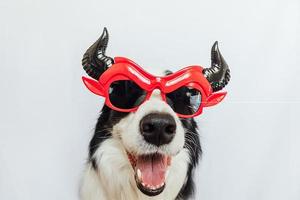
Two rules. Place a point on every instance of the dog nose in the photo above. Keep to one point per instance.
(158, 128)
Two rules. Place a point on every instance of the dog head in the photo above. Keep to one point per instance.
(153, 134)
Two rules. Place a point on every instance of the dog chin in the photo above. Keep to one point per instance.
(150, 171)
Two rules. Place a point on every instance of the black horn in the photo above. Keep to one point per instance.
(218, 75)
(94, 61)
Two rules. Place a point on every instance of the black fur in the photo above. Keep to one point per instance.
(192, 143)
(108, 118)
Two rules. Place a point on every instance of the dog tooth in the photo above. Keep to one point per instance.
(139, 174)
(143, 184)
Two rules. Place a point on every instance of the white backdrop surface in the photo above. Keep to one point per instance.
(251, 141)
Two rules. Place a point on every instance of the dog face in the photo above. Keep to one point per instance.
(151, 146)
(150, 138)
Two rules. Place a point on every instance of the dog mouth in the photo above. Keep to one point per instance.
(151, 172)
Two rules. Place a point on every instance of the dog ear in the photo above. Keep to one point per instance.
(93, 86)
(215, 98)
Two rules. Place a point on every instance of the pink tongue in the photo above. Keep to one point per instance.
(153, 169)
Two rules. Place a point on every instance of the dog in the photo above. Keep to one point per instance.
(150, 153)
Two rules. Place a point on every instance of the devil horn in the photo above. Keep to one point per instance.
(94, 61)
(218, 75)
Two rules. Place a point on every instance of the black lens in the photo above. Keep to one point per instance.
(126, 94)
(184, 100)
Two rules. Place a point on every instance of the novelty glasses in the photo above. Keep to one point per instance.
(126, 86)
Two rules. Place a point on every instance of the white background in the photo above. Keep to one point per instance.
(251, 141)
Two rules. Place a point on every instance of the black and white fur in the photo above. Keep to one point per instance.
(109, 174)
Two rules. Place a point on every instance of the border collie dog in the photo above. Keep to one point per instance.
(150, 153)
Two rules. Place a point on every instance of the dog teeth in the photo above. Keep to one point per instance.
(139, 174)
(157, 186)
(152, 187)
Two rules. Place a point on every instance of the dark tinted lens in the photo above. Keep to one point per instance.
(184, 100)
(126, 94)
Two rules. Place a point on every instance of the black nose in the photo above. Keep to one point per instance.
(158, 128)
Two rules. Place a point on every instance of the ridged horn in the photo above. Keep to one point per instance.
(94, 61)
(218, 75)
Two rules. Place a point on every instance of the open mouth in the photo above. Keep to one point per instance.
(151, 172)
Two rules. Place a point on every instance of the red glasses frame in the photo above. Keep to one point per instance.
(125, 69)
